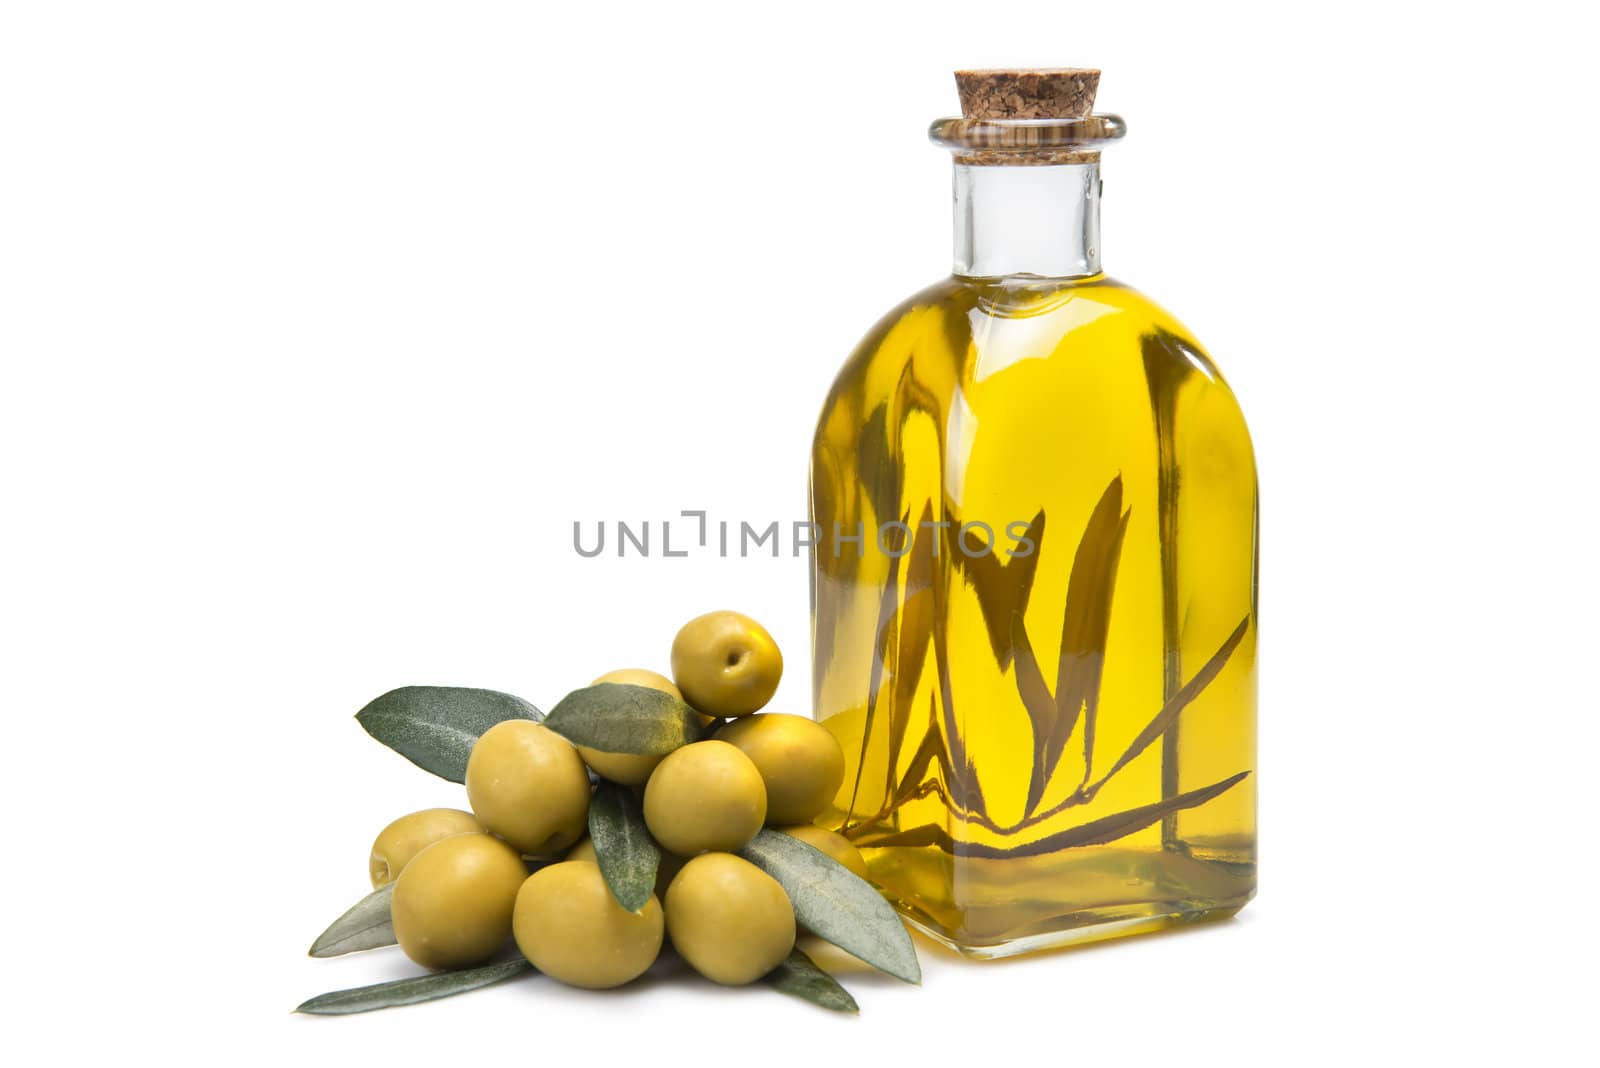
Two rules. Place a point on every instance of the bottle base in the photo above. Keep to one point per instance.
(1083, 931)
(988, 909)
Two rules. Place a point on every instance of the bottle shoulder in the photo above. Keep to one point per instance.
(1026, 317)
(1014, 342)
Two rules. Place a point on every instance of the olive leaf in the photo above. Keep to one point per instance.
(617, 717)
(365, 925)
(929, 752)
(800, 977)
(412, 990)
(1037, 701)
(1095, 832)
(1085, 622)
(1110, 828)
(1180, 700)
(627, 855)
(1086, 617)
(836, 904)
(914, 838)
(435, 727)
(956, 787)
(1002, 589)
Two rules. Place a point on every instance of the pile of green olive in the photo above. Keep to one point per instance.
(462, 886)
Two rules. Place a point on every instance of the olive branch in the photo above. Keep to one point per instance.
(909, 612)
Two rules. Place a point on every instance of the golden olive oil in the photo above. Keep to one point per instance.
(1034, 628)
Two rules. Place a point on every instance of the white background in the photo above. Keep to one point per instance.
(321, 323)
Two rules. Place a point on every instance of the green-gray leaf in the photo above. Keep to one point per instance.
(435, 727)
(627, 855)
(1179, 701)
(836, 904)
(617, 717)
(800, 977)
(364, 926)
(410, 991)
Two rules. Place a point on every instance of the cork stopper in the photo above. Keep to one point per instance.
(1058, 93)
(1063, 96)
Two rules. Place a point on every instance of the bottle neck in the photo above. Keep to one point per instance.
(1040, 221)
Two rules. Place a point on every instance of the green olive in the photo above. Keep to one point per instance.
(572, 929)
(800, 762)
(627, 768)
(409, 835)
(528, 785)
(452, 904)
(729, 919)
(726, 664)
(835, 845)
(704, 796)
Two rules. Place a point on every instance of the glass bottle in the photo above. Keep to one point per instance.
(1034, 577)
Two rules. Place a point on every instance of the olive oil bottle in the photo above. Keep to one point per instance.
(1034, 577)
